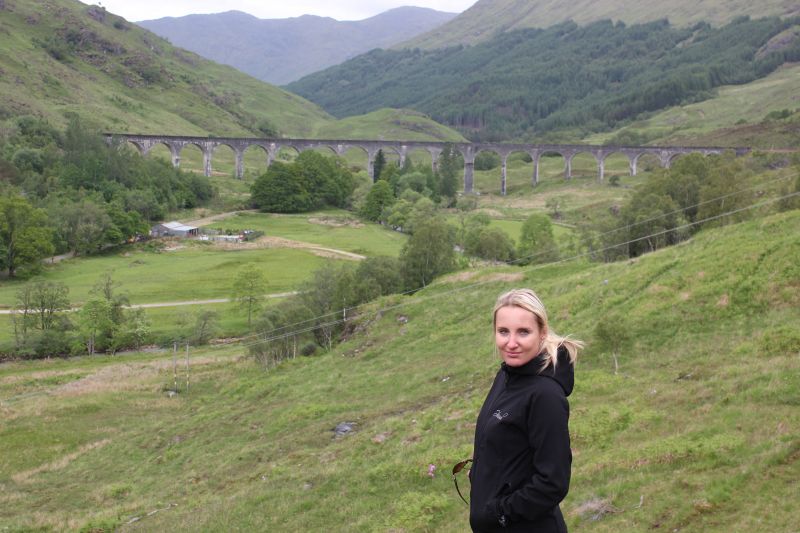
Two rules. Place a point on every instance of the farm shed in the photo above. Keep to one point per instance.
(173, 229)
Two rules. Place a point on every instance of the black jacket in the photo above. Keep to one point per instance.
(522, 457)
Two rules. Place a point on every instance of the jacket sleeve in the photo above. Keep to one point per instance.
(548, 437)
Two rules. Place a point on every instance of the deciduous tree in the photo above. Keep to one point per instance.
(96, 329)
(613, 332)
(536, 241)
(428, 253)
(25, 237)
(47, 300)
(380, 196)
(249, 287)
(206, 326)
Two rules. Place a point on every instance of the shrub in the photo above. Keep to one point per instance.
(536, 241)
(489, 243)
(487, 161)
(308, 349)
(428, 253)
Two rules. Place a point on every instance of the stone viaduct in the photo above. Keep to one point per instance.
(271, 147)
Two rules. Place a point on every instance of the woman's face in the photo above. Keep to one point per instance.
(517, 335)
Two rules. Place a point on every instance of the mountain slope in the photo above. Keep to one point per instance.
(487, 18)
(566, 78)
(283, 50)
(698, 431)
(62, 57)
(757, 114)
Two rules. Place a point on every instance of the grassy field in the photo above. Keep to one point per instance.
(385, 124)
(194, 272)
(201, 271)
(698, 431)
(333, 229)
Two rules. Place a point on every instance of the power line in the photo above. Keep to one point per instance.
(535, 267)
(585, 254)
(538, 254)
(532, 256)
(664, 215)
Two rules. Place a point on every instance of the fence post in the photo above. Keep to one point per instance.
(187, 368)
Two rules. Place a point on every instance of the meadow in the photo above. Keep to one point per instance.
(697, 431)
(193, 271)
(187, 271)
(333, 228)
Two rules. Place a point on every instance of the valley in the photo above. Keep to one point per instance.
(191, 384)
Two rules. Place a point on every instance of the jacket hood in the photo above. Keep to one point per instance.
(563, 374)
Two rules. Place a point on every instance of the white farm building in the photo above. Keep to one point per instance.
(173, 229)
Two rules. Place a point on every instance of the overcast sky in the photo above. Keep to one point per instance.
(135, 10)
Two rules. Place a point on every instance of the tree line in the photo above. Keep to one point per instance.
(412, 199)
(567, 78)
(70, 191)
(697, 192)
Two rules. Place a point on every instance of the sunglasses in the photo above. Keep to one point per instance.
(458, 467)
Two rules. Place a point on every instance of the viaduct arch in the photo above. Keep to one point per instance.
(271, 147)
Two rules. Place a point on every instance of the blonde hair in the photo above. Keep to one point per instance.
(527, 299)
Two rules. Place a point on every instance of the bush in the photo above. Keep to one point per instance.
(492, 244)
(487, 161)
(536, 241)
(310, 182)
(428, 253)
(378, 276)
(309, 348)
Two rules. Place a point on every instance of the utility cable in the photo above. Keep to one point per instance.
(663, 215)
(518, 260)
(535, 267)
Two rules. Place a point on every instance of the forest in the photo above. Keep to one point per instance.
(560, 82)
(69, 191)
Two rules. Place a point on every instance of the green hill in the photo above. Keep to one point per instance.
(698, 431)
(403, 124)
(62, 57)
(487, 18)
(738, 115)
(560, 83)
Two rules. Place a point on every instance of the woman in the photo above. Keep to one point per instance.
(522, 458)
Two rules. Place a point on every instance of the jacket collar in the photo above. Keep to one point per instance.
(563, 374)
